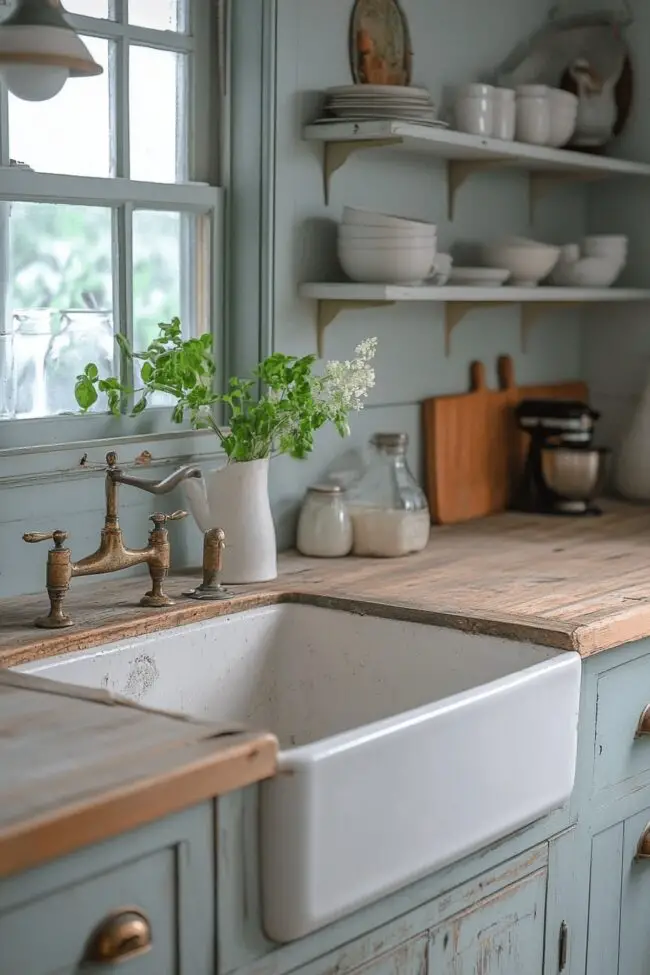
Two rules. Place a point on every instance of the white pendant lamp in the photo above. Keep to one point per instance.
(39, 51)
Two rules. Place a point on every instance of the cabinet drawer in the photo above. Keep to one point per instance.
(623, 695)
(140, 903)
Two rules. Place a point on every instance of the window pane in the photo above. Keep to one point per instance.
(158, 14)
(157, 270)
(70, 133)
(156, 89)
(171, 259)
(58, 314)
(89, 8)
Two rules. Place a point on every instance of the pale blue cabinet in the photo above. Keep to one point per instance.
(161, 877)
(409, 958)
(503, 935)
(619, 901)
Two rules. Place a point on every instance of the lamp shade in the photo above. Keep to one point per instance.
(39, 50)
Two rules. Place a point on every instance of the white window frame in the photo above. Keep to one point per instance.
(200, 196)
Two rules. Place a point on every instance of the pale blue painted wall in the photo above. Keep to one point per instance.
(454, 41)
(617, 342)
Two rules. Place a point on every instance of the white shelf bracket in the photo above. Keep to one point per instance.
(541, 184)
(460, 170)
(330, 308)
(336, 154)
(455, 312)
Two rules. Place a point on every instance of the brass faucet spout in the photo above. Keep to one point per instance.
(155, 487)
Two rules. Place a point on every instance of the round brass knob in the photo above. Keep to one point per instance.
(643, 848)
(120, 936)
(643, 727)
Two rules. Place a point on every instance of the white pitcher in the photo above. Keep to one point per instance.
(236, 498)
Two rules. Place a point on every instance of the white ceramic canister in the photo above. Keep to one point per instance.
(533, 111)
(505, 114)
(475, 110)
(324, 526)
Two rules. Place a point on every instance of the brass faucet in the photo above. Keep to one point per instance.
(112, 555)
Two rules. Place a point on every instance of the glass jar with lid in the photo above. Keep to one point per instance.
(324, 526)
(390, 514)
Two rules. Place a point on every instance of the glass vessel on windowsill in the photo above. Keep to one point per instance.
(390, 514)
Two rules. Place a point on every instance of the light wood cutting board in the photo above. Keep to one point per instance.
(466, 449)
(474, 451)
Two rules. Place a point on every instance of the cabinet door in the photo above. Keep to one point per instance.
(634, 942)
(409, 958)
(502, 935)
(619, 901)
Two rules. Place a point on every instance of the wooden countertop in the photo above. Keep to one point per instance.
(572, 583)
(79, 766)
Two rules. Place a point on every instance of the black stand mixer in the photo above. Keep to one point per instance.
(564, 472)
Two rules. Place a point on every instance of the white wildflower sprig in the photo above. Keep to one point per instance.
(345, 385)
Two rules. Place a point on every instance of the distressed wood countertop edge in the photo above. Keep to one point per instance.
(205, 770)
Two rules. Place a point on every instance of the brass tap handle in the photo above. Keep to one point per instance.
(160, 520)
(57, 536)
(214, 543)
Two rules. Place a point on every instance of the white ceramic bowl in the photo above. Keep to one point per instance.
(528, 263)
(389, 243)
(385, 265)
(353, 217)
(605, 245)
(398, 234)
(588, 272)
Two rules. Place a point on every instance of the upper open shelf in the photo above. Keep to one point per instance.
(334, 297)
(464, 154)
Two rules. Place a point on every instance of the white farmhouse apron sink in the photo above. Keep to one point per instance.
(404, 747)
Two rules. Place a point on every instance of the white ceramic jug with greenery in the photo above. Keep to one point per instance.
(293, 404)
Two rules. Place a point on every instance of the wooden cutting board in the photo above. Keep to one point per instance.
(466, 451)
(474, 451)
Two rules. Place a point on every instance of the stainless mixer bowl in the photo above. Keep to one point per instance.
(574, 474)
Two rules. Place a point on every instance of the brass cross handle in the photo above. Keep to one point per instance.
(57, 536)
(160, 520)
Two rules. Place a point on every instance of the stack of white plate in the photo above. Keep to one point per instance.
(381, 101)
(380, 248)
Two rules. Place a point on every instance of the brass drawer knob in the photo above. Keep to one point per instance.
(643, 727)
(643, 849)
(120, 937)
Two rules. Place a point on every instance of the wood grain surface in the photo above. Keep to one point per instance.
(574, 584)
(467, 451)
(79, 767)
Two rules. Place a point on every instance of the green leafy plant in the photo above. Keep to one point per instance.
(294, 404)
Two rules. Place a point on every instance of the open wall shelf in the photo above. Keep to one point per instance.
(334, 298)
(465, 155)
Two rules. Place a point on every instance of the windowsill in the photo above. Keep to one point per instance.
(62, 462)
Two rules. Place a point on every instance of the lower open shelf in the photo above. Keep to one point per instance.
(334, 298)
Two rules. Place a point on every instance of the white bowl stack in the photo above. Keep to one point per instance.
(597, 262)
(378, 248)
